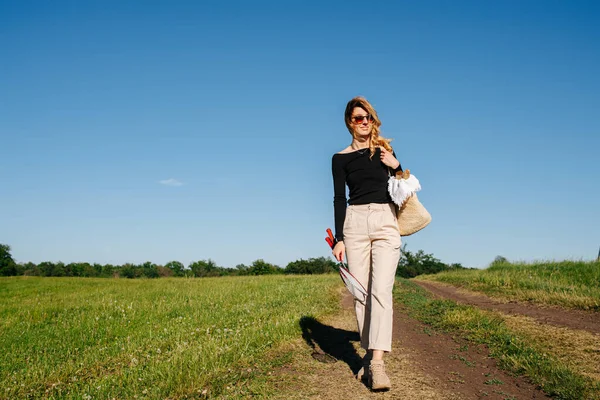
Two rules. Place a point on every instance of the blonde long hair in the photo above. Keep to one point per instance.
(376, 140)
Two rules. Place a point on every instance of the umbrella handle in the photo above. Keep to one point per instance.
(330, 234)
(329, 241)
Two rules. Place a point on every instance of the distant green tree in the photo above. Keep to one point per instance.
(71, 269)
(59, 269)
(149, 270)
(261, 267)
(319, 265)
(206, 268)
(241, 269)
(110, 271)
(8, 267)
(127, 271)
(88, 270)
(46, 268)
(164, 272)
(414, 264)
(499, 260)
(98, 269)
(20, 269)
(31, 269)
(176, 267)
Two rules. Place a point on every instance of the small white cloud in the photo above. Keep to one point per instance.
(170, 182)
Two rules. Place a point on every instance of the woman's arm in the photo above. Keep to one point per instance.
(390, 160)
(399, 167)
(339, 196)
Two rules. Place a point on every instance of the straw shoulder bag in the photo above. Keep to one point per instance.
(411, 214)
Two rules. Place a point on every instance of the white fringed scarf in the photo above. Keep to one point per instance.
(401, 189)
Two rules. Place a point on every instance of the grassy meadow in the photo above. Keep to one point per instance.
(566, 364)
(574, 284)
(173, 338)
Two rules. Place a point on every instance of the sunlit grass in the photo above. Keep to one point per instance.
(517, 347)
(176, 338)
(572, 284)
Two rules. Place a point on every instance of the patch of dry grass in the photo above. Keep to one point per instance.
(579, 350)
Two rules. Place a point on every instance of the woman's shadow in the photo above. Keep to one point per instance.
(331, 344)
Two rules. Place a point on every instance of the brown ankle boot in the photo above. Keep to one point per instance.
(378, 379)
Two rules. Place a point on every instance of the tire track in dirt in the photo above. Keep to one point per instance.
(459, 366)
(423, 365)
(574, 319)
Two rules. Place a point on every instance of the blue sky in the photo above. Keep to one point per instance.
(157, 131)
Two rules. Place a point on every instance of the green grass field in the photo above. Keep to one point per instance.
(574, 284)
(515, 349)
(163, 338)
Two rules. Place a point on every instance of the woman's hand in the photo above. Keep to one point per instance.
(388, 159)
(338, 251)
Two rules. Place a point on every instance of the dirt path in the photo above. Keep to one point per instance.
(422, 365)
(574, 319)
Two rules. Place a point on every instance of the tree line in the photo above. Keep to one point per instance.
(410, 265)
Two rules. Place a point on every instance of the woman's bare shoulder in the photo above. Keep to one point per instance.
(346, 150)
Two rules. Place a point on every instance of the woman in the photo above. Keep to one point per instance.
(367, 231)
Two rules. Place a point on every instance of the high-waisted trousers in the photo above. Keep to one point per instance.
(372, 242)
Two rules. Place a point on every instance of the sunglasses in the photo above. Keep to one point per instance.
(360, 118)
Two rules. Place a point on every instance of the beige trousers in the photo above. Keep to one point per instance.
(372, 242)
